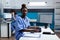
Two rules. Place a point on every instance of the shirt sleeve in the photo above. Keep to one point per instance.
(28, 22)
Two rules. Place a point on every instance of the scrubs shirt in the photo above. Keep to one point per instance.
(19, 24)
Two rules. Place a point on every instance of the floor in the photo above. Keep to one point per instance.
(58, 34)
(12, 38)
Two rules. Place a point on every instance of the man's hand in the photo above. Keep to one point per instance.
(36, 30)
(33, 27)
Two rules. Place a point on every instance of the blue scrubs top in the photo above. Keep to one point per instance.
(19, 24)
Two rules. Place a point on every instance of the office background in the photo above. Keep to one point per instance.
(52, 9)
(36, 13)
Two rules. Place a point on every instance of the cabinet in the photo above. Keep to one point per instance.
(13, 4)
(4, 29)
(57, 16)
(16, 4)
(57, 0)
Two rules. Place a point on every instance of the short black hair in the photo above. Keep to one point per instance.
(12, 10)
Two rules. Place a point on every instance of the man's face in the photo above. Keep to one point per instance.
(12, 13)
(24, 11)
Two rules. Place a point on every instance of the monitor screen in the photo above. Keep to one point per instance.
(46, 18)
(7, 15)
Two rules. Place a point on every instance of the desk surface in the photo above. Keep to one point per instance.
(43, 36)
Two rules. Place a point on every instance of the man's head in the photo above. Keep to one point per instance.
(13, 11)
(24, 10)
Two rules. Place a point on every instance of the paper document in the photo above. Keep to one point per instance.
(35, 35)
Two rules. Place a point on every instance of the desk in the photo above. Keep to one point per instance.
(43, 36)
(39, 24)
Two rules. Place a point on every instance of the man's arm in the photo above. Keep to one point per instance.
(33, 27)
(30, 30)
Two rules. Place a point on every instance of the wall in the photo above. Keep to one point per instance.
(16, 4)
(33, 15)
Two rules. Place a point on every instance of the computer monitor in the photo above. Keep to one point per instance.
(7, 15)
